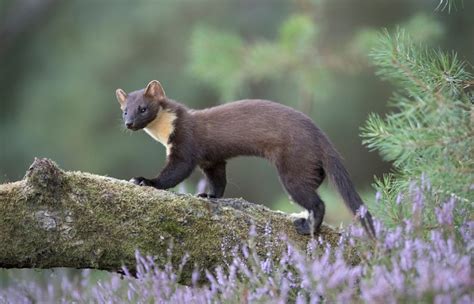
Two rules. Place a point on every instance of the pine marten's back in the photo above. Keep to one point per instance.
(253, 127)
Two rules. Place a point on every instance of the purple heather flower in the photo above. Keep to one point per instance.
(399, 198)
(356, 232)
(418, 200)
(195, 277)
(267, 265)
(393, 238)
(444, 214)
(443, 299)
(466, 231)
(253, 231)
(378, 196)
(362, 211)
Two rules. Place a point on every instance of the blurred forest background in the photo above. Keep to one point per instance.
(61, 61)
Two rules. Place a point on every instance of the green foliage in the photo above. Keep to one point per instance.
(422, 28)
(227, 64)
(430, 135)
(298, 34)
(217, 68)
(295, 59)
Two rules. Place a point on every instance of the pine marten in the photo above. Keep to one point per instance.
(289, 139)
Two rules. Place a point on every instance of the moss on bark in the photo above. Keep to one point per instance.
(54, 218)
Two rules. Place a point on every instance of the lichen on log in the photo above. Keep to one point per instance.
(54, 218)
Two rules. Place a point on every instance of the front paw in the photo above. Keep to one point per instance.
(141, 181)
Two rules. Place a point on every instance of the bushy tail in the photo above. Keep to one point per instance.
(340, 178)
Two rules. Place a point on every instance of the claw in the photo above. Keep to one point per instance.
(205, 195)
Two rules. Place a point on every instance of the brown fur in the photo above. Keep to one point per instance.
(301, 152)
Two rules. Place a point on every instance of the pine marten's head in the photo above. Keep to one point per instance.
(141, 107)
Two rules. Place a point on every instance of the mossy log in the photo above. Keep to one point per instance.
(53, 218)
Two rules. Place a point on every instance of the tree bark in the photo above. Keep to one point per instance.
(54, 218)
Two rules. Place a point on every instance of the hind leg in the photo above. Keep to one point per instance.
(315, 206)
(302, 189)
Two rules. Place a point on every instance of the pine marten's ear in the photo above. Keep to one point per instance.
(121, 97)
(155, 90)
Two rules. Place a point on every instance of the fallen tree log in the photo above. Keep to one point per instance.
(53, 218)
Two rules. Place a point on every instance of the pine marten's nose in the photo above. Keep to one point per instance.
(129, 125)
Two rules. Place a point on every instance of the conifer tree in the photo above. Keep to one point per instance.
(429, 136)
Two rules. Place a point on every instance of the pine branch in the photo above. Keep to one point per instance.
(431, 133)
(448, 4)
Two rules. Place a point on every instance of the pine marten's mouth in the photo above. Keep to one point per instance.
(136, 128)
(133, 127)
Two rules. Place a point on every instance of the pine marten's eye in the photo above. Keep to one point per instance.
(142, 109)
